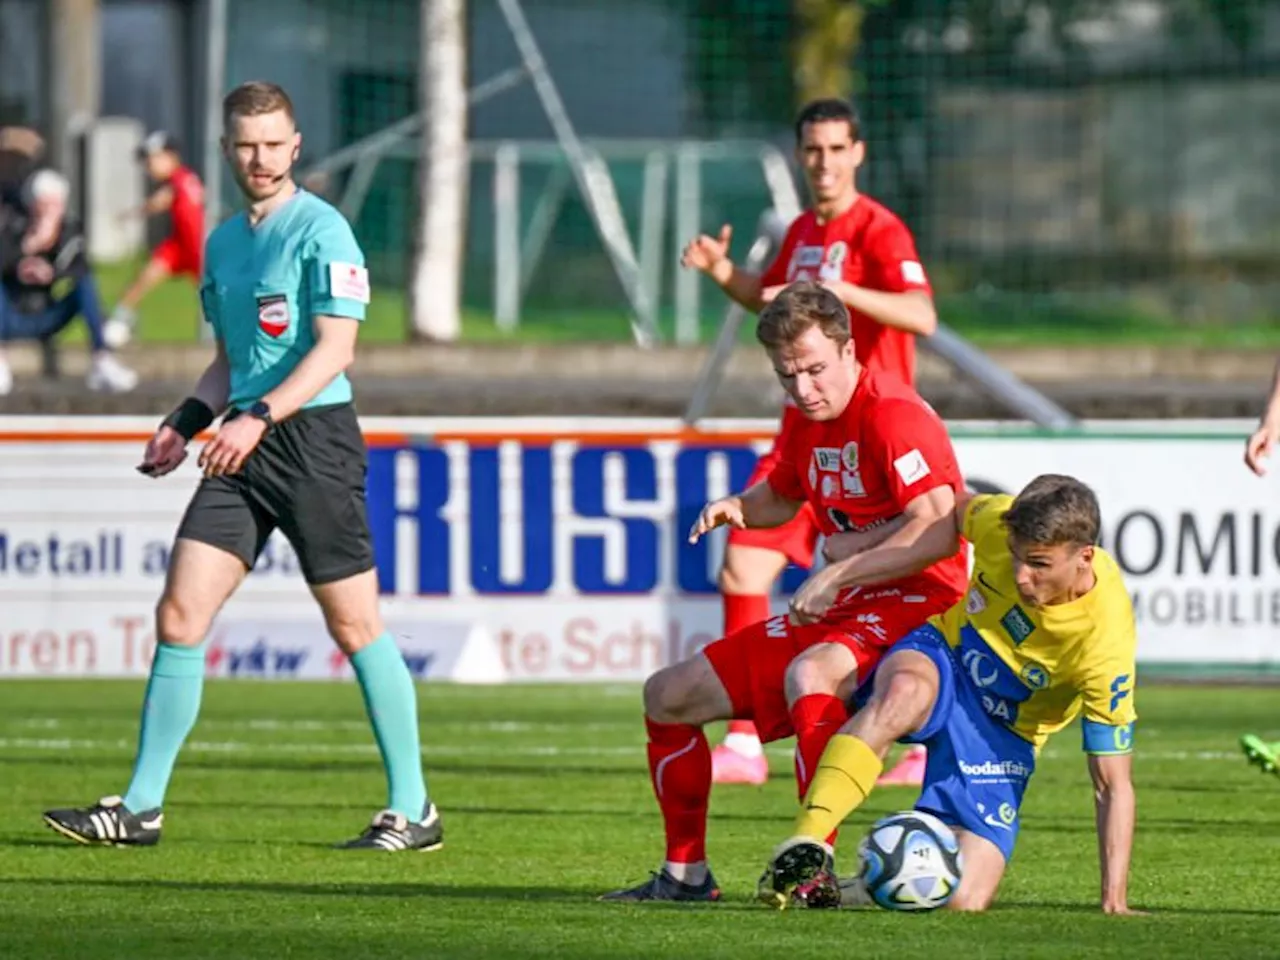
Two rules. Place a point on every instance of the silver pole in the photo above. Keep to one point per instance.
(214, 88)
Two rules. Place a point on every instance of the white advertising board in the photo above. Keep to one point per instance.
(555, 549)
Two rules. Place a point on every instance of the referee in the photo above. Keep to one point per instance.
(285, 288)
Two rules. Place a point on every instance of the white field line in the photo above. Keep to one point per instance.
(63, 744)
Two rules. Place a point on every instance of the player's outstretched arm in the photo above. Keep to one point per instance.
(758, 506)
(332, 354)
(910, 310)
(1116, 808)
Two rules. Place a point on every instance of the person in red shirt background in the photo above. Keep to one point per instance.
(863, 253)
(181, 193)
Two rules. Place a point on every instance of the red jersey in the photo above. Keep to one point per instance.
(187, 212)
(861, 469)
(870, 247)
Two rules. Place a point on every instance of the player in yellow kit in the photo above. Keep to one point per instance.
(1044, 633)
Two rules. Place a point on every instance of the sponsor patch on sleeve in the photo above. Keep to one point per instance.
(912, 272)
(348, 281)
(911, 467)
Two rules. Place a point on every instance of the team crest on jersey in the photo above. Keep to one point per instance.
(974, 602)
(833, 264)
(828, 487)
(1035, 676)
(813, 475)
(273, 314)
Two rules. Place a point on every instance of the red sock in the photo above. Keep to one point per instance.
(680, 767)
(816, 719)
(742, 610)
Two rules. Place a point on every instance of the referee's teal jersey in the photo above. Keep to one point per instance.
(264, 285)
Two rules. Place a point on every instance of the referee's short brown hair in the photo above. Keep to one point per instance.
(255, 98)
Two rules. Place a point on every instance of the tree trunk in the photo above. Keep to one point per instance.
(436, 289)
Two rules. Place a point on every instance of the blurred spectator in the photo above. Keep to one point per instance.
(181, 195)
(45, 281)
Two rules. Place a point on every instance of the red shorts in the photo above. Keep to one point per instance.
(798, 537)
(178, 257)
(752, 663)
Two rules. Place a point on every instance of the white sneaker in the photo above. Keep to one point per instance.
(109, 375)
(6, 378)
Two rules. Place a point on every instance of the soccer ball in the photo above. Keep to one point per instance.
(910, 861)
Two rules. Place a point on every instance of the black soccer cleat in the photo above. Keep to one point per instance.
(800, 864)
(109, 822)
(663, 886)
(393, 831)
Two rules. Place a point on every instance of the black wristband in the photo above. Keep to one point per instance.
(189, 418)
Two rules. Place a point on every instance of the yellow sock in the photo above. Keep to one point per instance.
(847, 771)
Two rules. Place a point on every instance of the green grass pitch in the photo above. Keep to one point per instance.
(547, 803)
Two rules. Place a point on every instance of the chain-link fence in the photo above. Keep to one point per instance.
(1078, 163)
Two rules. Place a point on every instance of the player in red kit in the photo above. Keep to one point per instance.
(869, 453)
(867, 257)
(181, 253)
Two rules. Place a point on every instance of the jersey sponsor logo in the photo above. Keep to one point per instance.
(827, 458)
(996, 768)
(912, 272)
(912, 467)
(852, 484)
(809, 256)
(982, 669)
(273, 314)
(348, 281)
(828, 487)
(1017, 624)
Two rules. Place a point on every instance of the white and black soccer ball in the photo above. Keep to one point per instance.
(910, 861)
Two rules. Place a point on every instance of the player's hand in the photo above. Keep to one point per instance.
(1259, 447)
(226, 453)
(705, 253)
(841, 288)
(815, 597)
(35, 271)
(717, 514)
(165, 451)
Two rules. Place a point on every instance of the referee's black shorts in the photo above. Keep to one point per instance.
(307, 478)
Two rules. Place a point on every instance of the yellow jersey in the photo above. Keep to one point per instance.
(1036, 668)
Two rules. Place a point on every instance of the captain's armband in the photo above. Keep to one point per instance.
(1106, 739)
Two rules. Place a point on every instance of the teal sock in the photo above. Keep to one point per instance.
(168, 713)
(392, 705)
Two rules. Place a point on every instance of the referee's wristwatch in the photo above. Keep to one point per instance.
(262, 411)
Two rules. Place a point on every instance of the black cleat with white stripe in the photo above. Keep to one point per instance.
(109, 822)
(394, 831)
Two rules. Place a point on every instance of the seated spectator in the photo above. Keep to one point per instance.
(45, 281)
